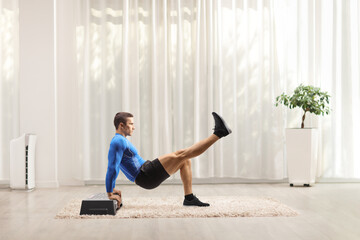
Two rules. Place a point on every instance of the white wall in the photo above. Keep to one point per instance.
(37, 85)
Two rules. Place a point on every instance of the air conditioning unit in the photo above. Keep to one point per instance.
(22, 162)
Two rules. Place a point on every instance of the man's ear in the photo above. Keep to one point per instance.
(120, 125)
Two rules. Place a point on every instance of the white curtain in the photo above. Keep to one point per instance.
(9, 62)
(171, 63)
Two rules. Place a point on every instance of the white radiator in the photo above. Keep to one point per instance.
(22, 162)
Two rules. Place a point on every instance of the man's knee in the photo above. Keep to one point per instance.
(180, 154)
(185, 165)
(187, 162)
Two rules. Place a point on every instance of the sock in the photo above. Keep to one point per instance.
(189, 197)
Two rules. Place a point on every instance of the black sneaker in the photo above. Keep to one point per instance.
(221, 129)
(195, 202)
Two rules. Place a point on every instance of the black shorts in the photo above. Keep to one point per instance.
(151, 175)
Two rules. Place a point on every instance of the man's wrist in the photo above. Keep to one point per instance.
(109, 194)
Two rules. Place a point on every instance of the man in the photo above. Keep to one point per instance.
(150, 174)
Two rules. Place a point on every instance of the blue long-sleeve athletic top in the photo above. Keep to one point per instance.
(122, 156)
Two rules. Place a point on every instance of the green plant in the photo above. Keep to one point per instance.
(309, 98)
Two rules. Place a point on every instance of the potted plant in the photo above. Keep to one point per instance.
(301, 143)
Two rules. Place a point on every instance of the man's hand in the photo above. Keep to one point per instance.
(118, 192)
(114, 196)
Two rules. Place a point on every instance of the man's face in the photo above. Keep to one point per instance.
(129, 127)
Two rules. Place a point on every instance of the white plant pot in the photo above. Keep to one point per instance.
(301, 154)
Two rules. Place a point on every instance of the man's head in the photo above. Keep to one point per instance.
(124, 124)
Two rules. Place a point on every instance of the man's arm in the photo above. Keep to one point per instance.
(116, 152)
(114, 193)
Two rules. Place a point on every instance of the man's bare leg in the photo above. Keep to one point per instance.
(173, 161)
(186, 177)
(181, 160)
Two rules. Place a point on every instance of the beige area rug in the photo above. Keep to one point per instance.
(170, 207)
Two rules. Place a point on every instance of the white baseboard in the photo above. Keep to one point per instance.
(4, 183)
(73, 182)
(338, 180)
(46, 184)
(229, 181)
(195, 181)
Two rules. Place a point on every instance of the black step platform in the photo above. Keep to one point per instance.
(99, 204)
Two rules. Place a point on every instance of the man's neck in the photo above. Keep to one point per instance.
(121, 133)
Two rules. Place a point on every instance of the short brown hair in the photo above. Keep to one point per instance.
(121, 117)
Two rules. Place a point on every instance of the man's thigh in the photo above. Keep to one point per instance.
(172, 161)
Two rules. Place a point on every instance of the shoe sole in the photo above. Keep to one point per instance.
(195, 206)
(223, 121)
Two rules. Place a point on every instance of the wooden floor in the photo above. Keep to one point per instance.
(327, 211)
